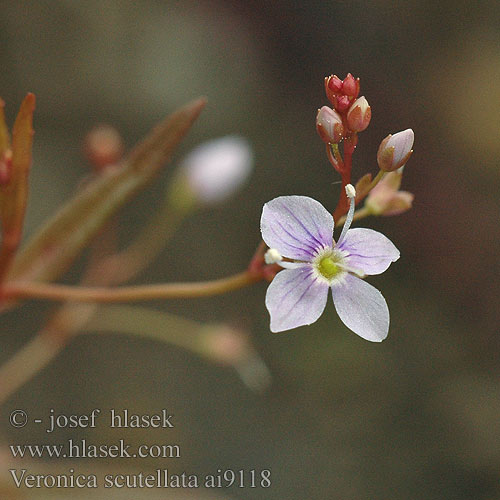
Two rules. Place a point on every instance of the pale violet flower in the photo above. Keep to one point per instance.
(216, 169)
(301, 230)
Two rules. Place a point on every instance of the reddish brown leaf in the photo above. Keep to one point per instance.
(16, 190)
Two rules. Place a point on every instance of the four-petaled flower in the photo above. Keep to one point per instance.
(301, 230)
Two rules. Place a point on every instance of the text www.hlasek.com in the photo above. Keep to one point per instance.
(82, 449)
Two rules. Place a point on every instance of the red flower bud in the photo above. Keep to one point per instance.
(359, 115)
(335, 83)
(350, 86)
(386, 198)
(342, 103)
(333, 86)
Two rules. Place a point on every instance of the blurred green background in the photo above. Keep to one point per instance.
(416, 417)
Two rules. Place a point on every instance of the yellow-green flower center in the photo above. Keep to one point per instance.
(328, 267)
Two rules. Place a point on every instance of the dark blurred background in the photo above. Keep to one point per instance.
(416, 417)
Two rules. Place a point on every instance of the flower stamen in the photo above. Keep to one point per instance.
(350, 191)
(357, 272)
(329, 264)
(272, 256)
(328, 268)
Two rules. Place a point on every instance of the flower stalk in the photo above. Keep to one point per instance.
(51, 291)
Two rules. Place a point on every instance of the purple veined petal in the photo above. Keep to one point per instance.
(370, 251)
(297, 226)
(362, 308)
(295, 298)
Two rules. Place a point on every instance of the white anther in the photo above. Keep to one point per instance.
(350, 191)
(272, 256)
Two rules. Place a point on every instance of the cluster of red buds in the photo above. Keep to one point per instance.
(350, 115)
(341, 93)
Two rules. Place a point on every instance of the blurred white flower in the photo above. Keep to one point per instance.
(218, 168)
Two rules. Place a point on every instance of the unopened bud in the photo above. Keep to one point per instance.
(216, 169)
(333, 86)
(350, 86)
(401, 202)
(386, 199)
(395, 150)
(342, 103)
(329, 125)
(397, 204)
(103, 146)
(359, 115)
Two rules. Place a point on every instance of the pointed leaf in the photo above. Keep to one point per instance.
(15, 191)
(58, 243)
(15, 164)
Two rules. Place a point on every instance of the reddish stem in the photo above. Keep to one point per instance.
(343, 204)
(258, 267)
(256, 264)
